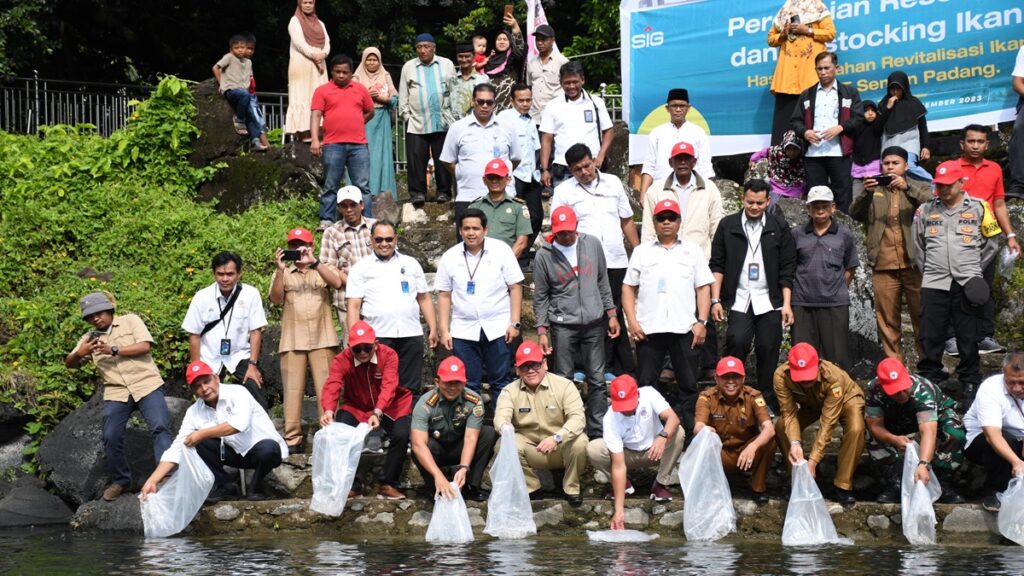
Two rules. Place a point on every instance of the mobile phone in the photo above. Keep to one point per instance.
(794, 19)
(882, 180)
(94, 335)
(291, 255)
(508, 10)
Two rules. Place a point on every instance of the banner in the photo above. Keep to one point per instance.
(959, 55)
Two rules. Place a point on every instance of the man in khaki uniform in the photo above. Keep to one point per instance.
(739, 415)
(810, 390)
(508, 219)
(547, 413)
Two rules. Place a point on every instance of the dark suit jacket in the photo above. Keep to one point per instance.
(729, 250)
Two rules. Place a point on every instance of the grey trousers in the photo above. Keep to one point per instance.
(587, 344)
(826, 329)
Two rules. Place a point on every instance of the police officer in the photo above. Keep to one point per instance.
(952, 246)
(899, 405)
(810, 390)
(739, 415)
(508, 219)
(448, 431)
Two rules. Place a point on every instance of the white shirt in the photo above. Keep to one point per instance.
(636, 432)
(826, 115)
(529, 143)
(389, 289)
(659, 147)
(245, 316)
(1018, 66)
(575, 121)
(994, 406)
(683, 192)
(600, 208)
(753, 292)
(236, 407)
(471, 145)
(668, 279)
(570, 252)
(489, 307)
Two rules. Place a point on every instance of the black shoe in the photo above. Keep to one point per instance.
(418, 201)
(950, 496)
(442, 198)
(891, 495)
(760, 498)
(256, 496)
(227, 491)
(297, 448)
(574, 500)
(537, 495)
(845, 497)
(991, 502)
(474, 494)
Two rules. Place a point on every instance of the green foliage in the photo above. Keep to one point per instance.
(597, 30)
(21, 35)
(80, 213)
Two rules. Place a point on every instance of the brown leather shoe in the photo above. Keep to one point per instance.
(389, 492)
(112, 492)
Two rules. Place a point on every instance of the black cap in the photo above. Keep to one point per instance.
(976, 291)
(678, 94)
(544, 30)
(463, 47)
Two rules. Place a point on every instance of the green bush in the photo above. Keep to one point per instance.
(80, 213)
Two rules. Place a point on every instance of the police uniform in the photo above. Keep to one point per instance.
(834, 398)
(445, 422)
(737, 422)
(553, 408)
(507, 219)
(927, 403)
(952, 246)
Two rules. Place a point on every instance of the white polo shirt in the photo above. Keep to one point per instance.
(235, 406)
(636, 432)
(600, 208)
(389, 289)
(668, 279)
(471, 145)
(575, 121)
(244, 317)
(489, 307)
(994, 406)
(659, 148)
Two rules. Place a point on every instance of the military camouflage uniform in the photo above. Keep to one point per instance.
(927, 404)
(445, 422)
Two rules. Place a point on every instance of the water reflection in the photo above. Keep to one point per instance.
(710, 558)
(511, 556)
(333, 557)
(923, 561)
(805, 561)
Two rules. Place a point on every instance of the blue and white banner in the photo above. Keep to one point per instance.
(959, 55)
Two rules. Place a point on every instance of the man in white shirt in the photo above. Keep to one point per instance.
(227, 428)
(542, 71)
(640, 431)
(673, 282)
(995, 428)
(604, 212)
(225, 324)
(479, 302)
(526, 177)
(662, 139)
(389, 291)
(572, 118)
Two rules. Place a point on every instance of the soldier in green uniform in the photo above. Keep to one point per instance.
(899, 405)
(508, 219)
(448, 432)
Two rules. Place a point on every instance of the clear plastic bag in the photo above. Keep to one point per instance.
(707, 513)
(450, 522)
(916, 501)
(1011, 511)
(1007, 260)
(509, 514)
(807, 519)
(619, 536)
(170, 509)
(336, 451)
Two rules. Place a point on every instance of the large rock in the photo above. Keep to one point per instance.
(72, 454)
(12, 451)
(32, 506)
(121, 515)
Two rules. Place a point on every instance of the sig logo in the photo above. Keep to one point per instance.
(648, 38)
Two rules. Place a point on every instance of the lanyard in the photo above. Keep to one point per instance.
(477, 267)
(754, 247)
(231, 313)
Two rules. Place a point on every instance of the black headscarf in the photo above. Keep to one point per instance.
(501, 61)
(908, 110)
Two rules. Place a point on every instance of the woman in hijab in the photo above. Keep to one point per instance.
(505, 65)
(785, 166)
(309, 49)
(800, 31)
(902, 118)
(371, 73)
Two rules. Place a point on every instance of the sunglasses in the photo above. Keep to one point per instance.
(666, 218)
(530, 367)
(384, 240)
(485, 102)
(363, 348)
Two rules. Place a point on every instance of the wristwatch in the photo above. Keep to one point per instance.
(314, 264)
(558, 438)
(715, 301)
(663, 434)
(114, 350)
(703, 323)
(517, 325)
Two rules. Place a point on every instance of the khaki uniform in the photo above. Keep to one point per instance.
(553, 407)
(835, 397)
(738, 423)
(126, 377)
(506, 220)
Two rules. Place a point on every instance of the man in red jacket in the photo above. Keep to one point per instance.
(364, 377)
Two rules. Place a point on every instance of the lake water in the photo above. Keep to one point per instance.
(53, 552)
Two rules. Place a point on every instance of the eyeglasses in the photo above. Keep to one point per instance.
(666, 218)
(383, 240)
(679, 106)
(530, 367)
(363, 348)
(484, 102)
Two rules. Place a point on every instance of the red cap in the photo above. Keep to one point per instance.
(667, 205)
(301, 234)
(563, 219)
(496, 167)
(361, 333)
(197, 369)
(803, 363)
(948, 172)
(625, 395)
(893, 376)
(529, 351)
(683, 148)
(730, 365)
(451, 369)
